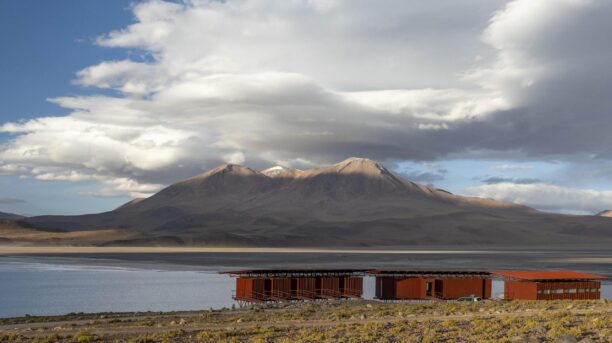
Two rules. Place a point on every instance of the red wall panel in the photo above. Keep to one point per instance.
(411, 288)
(353, 287)
(520, 290)
(463, 287)
(306, 288)
(330, 287)
(281, 288)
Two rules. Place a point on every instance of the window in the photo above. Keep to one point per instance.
(581, 290)
(547, 291)
(539, 291)
(571, 291)
(593, 290)
(559, 291)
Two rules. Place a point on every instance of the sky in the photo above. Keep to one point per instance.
(104, 101)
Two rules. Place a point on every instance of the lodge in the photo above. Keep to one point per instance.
(422, 285)
(531, 285)
(277, 285)
(286, 285)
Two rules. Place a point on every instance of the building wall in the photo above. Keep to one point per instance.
(463, 287)
(527, 290)
(330, 287)
(353, 287)
(281, 288)
(249, 289)
(412, 288)
(388, 288)
(568, 290)
(306, 288)
(244, 288)
(524, 290)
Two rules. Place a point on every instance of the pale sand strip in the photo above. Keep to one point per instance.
(17, 250)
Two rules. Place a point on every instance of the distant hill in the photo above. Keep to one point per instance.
(607, 213)
(354, 203)
(10, 216)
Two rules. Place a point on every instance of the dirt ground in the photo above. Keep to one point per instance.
(340, 321)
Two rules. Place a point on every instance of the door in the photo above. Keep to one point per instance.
(428, 289)
(439, 288)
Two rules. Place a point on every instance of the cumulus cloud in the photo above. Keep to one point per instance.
(548, 197)
(308, 82)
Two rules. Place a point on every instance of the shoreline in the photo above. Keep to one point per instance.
(30, 250)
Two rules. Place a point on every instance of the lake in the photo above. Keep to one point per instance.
(35, 287)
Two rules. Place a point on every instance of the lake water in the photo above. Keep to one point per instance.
(35, 288)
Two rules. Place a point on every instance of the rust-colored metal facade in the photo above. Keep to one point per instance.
(306, 288)
(415, 285)
(550, 285)
(268, 285)
(353, 287)
(551, 290)
(252, 290)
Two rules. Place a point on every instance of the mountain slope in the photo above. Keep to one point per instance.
(9, 216)
(356, 202)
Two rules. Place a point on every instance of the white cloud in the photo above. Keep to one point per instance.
(307, 82)
(547, 197)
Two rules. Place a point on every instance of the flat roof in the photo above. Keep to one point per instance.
(548, 275)
(295, 272)
(427, 273)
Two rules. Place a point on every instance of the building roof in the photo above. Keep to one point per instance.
(295, 272)
(429, 273)
(545, 275)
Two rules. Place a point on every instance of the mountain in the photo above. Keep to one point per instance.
(607, 213)
(9, 216)
(355, 203)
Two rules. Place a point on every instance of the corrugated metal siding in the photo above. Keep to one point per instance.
(260, 289)
(520, 290)
(306, 288)
(248, 289)
(412, 288)
(244, 289)
(330, 287)
(553, 286)
(353, 287)
(462, 287)
(281, 288)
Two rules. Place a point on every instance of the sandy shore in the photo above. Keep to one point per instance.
(29, 250)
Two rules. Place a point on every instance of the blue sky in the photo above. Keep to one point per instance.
(103, 101)
(46, 42)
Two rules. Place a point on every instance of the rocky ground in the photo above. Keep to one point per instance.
(342, 321)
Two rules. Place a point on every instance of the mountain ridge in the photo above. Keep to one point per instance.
(10, 216)
(356, 202)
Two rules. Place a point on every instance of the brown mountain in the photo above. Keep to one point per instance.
(356, 202)
(607, 213)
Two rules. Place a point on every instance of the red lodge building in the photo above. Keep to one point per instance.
(422, 285)
(287, 285)
(534, 285)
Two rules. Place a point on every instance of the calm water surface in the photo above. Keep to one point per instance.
(47, 289)
(36, 288)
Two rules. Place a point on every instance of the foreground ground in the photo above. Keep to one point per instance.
(343, 321)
